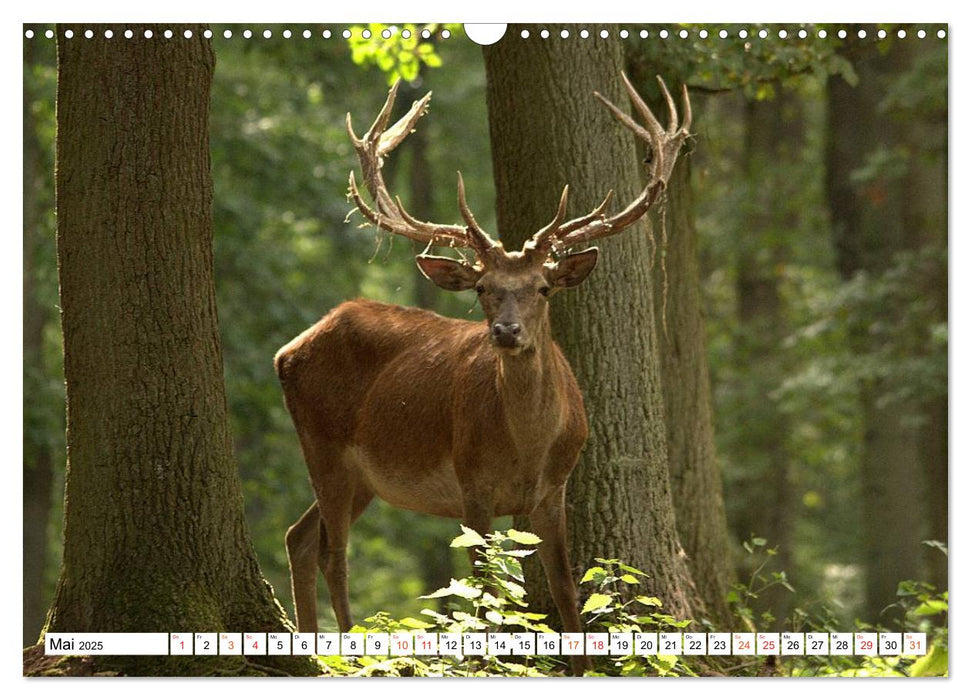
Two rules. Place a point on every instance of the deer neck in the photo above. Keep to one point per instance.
(527, 381)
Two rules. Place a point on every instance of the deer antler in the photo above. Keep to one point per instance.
(665, 144)
(388, 213)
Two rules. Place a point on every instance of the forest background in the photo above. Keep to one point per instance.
(821, 270)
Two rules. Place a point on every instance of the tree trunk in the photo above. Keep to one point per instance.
(868, 228)
(155, 538)
(547, 130)
(762, 326)
(696, 480)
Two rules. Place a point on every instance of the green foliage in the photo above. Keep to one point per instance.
(492, 599)
(401, 54)
(615, 606)
(829, 339)
(494, 588)
(744, 598)
(901, 345)
(750, 63)
(926, 611)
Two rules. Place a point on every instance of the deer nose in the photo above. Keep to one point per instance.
(508, 330)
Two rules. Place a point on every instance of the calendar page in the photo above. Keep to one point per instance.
(537, 349)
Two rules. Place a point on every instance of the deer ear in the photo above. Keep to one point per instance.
(573, 269)
(448, 274)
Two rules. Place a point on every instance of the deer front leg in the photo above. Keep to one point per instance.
(548, 521)
(477, 514)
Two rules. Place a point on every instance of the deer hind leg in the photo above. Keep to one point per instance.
(335, 524)
(548, 521)
(303, 544)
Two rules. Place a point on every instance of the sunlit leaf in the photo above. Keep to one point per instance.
(931, 607)
(522, 537)
(595, 602)
(593, 573)
(469, 538)
(459, 588)
(413, 623)
(933, 664)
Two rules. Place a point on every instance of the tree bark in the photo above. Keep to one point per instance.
(155, 537)
(696, 479)
(547, 130)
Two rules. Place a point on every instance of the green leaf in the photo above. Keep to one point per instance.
(523, 537)
(459, 588)
(494, 617)
(470, 538)
(532, 616)
(432, 60)
(468, 620)
(632, 570)
(593, 573)
(414, 624)
(442, 620)
(514, 589)
(650, 601)
(627, 578)
(490, 600)
(931, 607)
(596, 602)
(665, 662)
(934, 664)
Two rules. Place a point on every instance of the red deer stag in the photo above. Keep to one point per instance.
(454, 418)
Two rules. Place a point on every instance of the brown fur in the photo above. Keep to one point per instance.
(428, 414)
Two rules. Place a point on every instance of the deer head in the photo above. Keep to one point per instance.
(513, 286)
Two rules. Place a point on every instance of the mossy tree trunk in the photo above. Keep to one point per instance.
(548, 130)
(696, 480)
(155, 537)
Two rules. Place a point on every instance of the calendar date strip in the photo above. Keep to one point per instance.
(390, 644)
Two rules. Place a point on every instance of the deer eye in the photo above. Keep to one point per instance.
(545, 291)
(479, 289)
